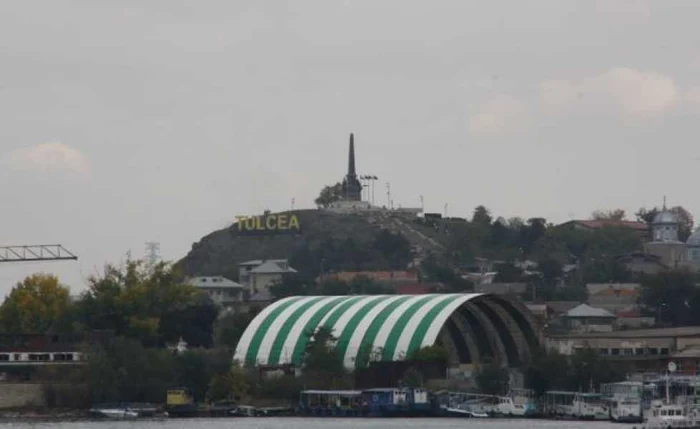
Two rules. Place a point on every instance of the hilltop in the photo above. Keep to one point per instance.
(376, 240)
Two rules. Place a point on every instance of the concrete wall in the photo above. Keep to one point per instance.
(18, 395)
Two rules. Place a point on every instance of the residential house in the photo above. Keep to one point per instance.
(221, 290)
(613, 297)
(585, 318)
(259, 275)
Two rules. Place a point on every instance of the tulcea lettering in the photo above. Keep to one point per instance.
(269, 223)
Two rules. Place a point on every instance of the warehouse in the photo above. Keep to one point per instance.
(473, 328)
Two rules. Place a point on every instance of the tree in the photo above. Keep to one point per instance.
(616, 214)
(412, 377)
(546, 370)
(195, 369)
(433, 270)
(193, 322)
(329, 195)
(530, 232)
(492, 379)
(320, 357)
(685, 222)
(124, 370)
(152, 306)
(229, 328)
(231, 385)
(434, 353)
(34, 305)
(672, 297)
(508, 273)
(646, 215)
(291, 285)
(481, 216)
(588, 370)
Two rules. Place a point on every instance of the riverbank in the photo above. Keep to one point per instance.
(42, 415)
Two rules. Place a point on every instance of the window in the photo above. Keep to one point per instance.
(615, 352)
(629, 352)
(639, 352)
(4, 357)
(664, 351)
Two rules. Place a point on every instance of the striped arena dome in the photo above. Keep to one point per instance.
(472, 327)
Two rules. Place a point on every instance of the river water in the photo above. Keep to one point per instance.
(326, 423)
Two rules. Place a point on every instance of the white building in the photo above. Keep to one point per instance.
(258, 275)
(585, 318)
(221, 290)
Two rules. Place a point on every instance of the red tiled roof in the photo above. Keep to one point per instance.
(628, 312)
(617, 292)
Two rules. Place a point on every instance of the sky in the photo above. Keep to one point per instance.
(129, 122)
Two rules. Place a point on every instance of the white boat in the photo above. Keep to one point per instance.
(461, 412)
(518, 403)
(589, 406)
(624, 401)
(671, 416)
(115, 412)
(626, 410)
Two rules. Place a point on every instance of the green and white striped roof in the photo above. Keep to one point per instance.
(394, 324)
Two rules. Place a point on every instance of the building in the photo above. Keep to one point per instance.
(694, 248)
(613, 297)
(221, 290)
(258, 275)
(585, 318)
(473, 328)
(641, 228)
(665, 243)
(644, 349)
(642, 263)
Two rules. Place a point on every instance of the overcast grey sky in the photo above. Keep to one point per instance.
(133, 121)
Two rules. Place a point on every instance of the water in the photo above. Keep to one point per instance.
(304, 423)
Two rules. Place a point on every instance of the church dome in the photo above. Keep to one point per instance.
(694, 239)
(665, 217)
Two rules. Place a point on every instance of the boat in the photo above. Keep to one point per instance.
(463, 412)
(243, 411)
(114, 412)
(518, 403)
(626, 410)
(672, 416)
(625, 401)
(589, 406)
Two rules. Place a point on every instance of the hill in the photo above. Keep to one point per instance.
(377, 240)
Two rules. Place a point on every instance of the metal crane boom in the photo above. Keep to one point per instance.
(40, 252)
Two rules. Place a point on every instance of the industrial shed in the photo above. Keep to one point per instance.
(473, 327)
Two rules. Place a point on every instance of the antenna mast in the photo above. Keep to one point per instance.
(152, 255)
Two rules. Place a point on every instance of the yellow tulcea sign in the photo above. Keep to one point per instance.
(271, 223)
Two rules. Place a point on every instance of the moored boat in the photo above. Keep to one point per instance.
(114, 411)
